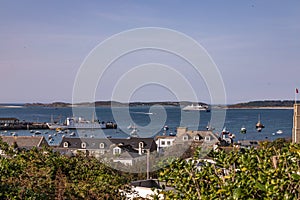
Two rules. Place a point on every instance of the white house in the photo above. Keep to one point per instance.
(164, 142)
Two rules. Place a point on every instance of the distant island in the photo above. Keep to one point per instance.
(264, 104)
(112, 103)
(246, 105)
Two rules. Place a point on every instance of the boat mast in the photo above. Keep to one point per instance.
(94, 116)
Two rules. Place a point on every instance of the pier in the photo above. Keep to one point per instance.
(16, 124)
(23, 126)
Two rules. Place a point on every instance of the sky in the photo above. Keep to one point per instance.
(254, 44)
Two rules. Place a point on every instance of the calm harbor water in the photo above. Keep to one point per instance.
(273, 119)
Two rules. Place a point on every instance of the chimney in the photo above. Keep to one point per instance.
(296, 124)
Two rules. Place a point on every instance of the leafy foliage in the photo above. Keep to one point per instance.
(270, 172)
(265, 173)
(44, 174)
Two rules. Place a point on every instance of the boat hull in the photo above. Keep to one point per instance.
(83, 126)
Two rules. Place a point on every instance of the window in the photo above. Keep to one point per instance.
(141, 145)
(197, 137)
(117, 151)
(163, 143)
(169, 143)
(101, 145)
(66, 144)
(83, 145)
(185, 138)
(102, 151)
(207, 138)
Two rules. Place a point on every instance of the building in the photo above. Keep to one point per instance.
(89, 146)
(8, 121)
(206, 138)
(131, 150)
(163, 142)
(296, 124)
(138, 144)
(185, 142)
(126, 157)
(126, 151)
(25, 142)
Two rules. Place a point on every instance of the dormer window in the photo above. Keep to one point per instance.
(197, 137)
(66, 144)
(83, 145)
(185, 138)
(101, 145)
(207, 138)
(117, 151)
(141, 145)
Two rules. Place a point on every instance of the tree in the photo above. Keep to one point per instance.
(266, 173)
(45, 174)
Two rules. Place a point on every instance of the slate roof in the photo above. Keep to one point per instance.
(127, 155)
(25, 141)
(149, 143)
(93, 143)
(164, 137)
(192, 133)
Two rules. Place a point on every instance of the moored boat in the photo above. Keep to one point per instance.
(259, 126)
(81, 123)
(209, 127)
(198, 107)
(243, 130)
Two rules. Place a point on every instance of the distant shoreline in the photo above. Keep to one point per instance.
(266, 104)
(288, 105)
(271, 108)
(10, 106)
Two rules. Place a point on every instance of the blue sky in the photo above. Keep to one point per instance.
(255, 45)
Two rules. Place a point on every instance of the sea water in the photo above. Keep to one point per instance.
(143, 116)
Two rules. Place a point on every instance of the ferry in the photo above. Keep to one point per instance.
(81, 123)
(196, 108)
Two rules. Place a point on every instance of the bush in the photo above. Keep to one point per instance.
(270, 172)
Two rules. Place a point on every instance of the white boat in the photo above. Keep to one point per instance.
(279, 132)
(72, 134)
(14, 133)
(225, 131)
(134, 133)
(131, 126)
(243, 130)
(37, 133)
(81, 123)
(54, 126)
(196, 108)
(259, 129)
(259, 126)
(209, 127)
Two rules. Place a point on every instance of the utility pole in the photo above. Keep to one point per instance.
(148, 167)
